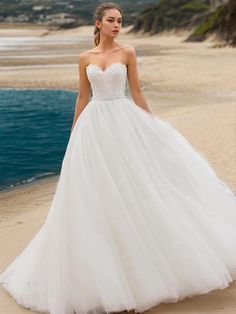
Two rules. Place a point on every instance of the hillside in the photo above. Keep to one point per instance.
(169, 14)
(221, 22)
(196, 15)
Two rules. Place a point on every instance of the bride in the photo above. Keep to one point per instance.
(139, 217)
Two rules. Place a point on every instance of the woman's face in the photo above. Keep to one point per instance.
(111, 23)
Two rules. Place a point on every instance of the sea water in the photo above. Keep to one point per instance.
(34, 132)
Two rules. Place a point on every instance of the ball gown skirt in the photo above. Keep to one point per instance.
(139, 216)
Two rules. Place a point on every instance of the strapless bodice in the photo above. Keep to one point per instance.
(108, 83)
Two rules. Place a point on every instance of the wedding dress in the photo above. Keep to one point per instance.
(139, 217)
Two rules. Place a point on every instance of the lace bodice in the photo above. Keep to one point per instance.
(109, 83)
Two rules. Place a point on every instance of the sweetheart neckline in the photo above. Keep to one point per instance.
(104, 70)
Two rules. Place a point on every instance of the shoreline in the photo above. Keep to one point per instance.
(37, 88)
(39, 181)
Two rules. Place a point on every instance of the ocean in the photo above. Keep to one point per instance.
(34, 132)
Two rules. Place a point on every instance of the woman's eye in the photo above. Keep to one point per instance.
(113, 21)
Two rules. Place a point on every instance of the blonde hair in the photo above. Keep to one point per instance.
(98, 15)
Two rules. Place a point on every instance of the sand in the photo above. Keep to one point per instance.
(190, 85)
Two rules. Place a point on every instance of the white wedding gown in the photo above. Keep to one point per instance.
(139, 216)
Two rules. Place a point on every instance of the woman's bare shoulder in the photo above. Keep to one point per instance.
(130, 53)
(131, 50)
(84, 56)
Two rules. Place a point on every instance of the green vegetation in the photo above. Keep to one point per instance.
(221, 22)
(195, 14)
(211, 23)
(169, 14)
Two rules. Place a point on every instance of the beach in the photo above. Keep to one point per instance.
(189, 85)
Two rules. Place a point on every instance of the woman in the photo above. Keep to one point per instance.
(139, 217)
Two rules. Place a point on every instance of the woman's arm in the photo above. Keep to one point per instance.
(134, 84)
(84, 88)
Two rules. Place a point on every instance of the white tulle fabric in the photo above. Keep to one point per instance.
(139, 217)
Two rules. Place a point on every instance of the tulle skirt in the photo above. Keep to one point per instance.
(139, 217)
